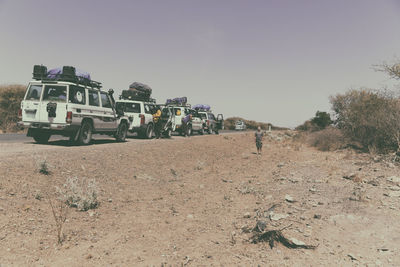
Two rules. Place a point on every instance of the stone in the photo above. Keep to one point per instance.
(247, 215)
(260, 226)
(276, 216)
(393, 179)
(289, 198)
(297, 242)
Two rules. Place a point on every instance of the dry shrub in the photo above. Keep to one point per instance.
(80, 193)
(328, 139)
(369, 118)
(10, 102)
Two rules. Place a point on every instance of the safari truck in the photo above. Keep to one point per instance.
(181, 109)
(64, 101)
(138, 106)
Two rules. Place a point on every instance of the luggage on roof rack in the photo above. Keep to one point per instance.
(136, 95)
(66, 73)
(141, 87)
(201, 107)
(180, 101)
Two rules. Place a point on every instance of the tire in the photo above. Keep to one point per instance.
(210, 130)
(41, 137)
(201, 131)
(149, 132)
(121, 132)
(168, 133)
(189, 131)
(85, 133)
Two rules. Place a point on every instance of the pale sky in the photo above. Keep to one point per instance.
(270, 61)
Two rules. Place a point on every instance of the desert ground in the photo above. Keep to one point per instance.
(197, 201)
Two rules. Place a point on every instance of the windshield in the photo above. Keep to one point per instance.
(55, 93)
(34, 92)
(203, 116)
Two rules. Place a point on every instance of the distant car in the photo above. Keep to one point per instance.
(240, 126)
(69, 105)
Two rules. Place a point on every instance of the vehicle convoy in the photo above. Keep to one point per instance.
(240, 125)
(64, 101)
(211, 124)
(138, 107)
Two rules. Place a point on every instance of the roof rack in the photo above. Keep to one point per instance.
(68, 74)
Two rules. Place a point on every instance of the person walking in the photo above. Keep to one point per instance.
(259, 138)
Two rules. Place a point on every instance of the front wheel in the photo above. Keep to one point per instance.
(121, 132)
(85, 133)
(42, 137)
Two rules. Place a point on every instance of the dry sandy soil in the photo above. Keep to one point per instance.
(195, 201)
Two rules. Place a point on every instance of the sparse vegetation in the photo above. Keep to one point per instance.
(80, 193)
(60, 212)
(328, 139)
(43, 167)
(10, 100)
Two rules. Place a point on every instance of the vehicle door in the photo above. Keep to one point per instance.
(178, 116)
(148, 113)
(196, 121)
(109, 116)
(53, 107)
(133, 111)
(77, 100)
(95, 111)
(220, 122)
(30, 105)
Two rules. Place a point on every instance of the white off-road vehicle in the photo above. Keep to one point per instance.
(140, 116)
(240, 125)
(64, 103)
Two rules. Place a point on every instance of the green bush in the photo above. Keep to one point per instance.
(10, 102)
(369, 118)
(319, 122)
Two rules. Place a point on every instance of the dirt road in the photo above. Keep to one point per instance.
(195, 201)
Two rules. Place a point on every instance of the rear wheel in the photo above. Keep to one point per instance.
(149, 131)
(41, 137)
(189, 130)
(121, 132)
(168, 133)
(85, 133)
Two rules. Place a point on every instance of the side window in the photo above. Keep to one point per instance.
(147, 109)
(105, 100)
(94, 98)
(77, 95)
(132, 107)
(55, 93)
(34, 92)
(211, 116)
